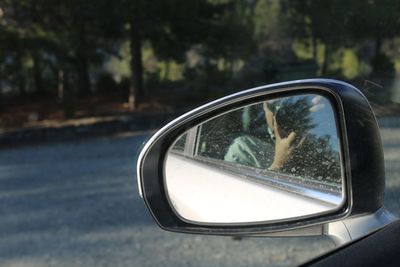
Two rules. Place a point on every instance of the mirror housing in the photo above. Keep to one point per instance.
(361, 151)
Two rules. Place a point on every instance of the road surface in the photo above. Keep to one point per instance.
(76, 204)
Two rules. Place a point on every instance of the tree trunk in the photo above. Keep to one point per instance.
(37, 73)
(20, 72)
(325, 63)
(136, 81)
(83, 62)
(19, 56)
(60, 86)
(378, 46)
(314, 47)
(167, 68)
(253, 5)
(377, 51)
(83, 76)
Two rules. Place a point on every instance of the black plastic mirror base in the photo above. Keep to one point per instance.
(361, 150)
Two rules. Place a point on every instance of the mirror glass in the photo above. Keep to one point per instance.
(271, 160)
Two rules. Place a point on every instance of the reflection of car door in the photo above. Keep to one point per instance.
(223, 186)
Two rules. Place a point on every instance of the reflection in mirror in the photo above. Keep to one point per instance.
(272, 160)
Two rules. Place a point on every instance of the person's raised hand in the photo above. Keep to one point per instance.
(283, 147)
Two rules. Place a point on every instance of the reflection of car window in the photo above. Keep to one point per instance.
(216, 135)
(243, 141)
(244, 138)
(180, 143)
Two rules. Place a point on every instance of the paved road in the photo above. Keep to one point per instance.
(76, 204)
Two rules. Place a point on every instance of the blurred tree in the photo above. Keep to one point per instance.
(62, 44)
(377, 22)
(13, 34)
(71, 37)
(274, 45)
(173, 27)
(317, 22)
(227, 45)
(270, 33)
(54, 33)
(81, 32)
(232, 36)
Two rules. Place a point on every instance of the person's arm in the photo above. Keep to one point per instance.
(283, 145)
(283, 148)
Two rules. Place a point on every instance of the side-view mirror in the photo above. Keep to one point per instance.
(289, 159)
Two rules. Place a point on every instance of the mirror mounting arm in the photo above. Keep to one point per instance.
(343, 231)
(358, 226)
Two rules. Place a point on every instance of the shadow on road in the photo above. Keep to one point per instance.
(60, 195)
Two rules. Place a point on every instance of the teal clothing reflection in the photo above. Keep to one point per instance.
(250, 151)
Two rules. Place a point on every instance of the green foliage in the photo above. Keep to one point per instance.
(211, 46)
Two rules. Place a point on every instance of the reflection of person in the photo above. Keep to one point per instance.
(272, 152)
(291, 136)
